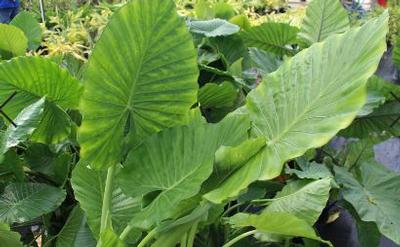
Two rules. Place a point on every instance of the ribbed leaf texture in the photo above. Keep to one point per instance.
(307, 101)
(323, 18)
(141, 78)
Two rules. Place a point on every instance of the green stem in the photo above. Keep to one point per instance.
(125, 232)
(230, 209)
(105, 211)
(192, 234)
(148, 237)
(238, 238)
(184, 240)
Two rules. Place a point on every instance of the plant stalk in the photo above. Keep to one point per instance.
(105, 211)
(238, 238)
(148, 237)
(192, 235)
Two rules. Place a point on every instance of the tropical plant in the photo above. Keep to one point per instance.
(198, 133)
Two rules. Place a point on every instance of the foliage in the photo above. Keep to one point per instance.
(159, 130)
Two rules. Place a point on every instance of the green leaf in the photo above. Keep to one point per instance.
(272, 37)
(380, 123)
(27, 121)
(109, 239)
(303, 199)
(292, 117)
(323, 18)
(178, 161)
(22, 202)
(213, 28)
(89, 188)
(214, 95)
(279, 223)
(12, 163)
(373, 196)
(141, 78)
(242, 21)
(31, 28)
(230, 47)
(36, 77)
(378, 92)
(9, 238)
(75, 232)
(223, 10)
(265, 61)
(310, 170)
(12, 42)
(380, 86)
(227, 161)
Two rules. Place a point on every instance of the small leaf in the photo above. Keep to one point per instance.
(213, 28)
(310, 170)
(27, 121)
(276, 223)
(265, 61)
(22, 202)
(272, 37)
(214, 95)
(13, 163)
(380, 123)
(303, 199)
(9, 238)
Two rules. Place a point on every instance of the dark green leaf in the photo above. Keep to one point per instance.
(373, 196)
(221, 95)
(27, 121)
(22, 202)
(75, 232)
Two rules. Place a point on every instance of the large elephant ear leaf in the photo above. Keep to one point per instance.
(13, 42)
(308, 100)
(32, 78)
(31, 28)
(141, 78)
(171, 166)
(323, 18)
